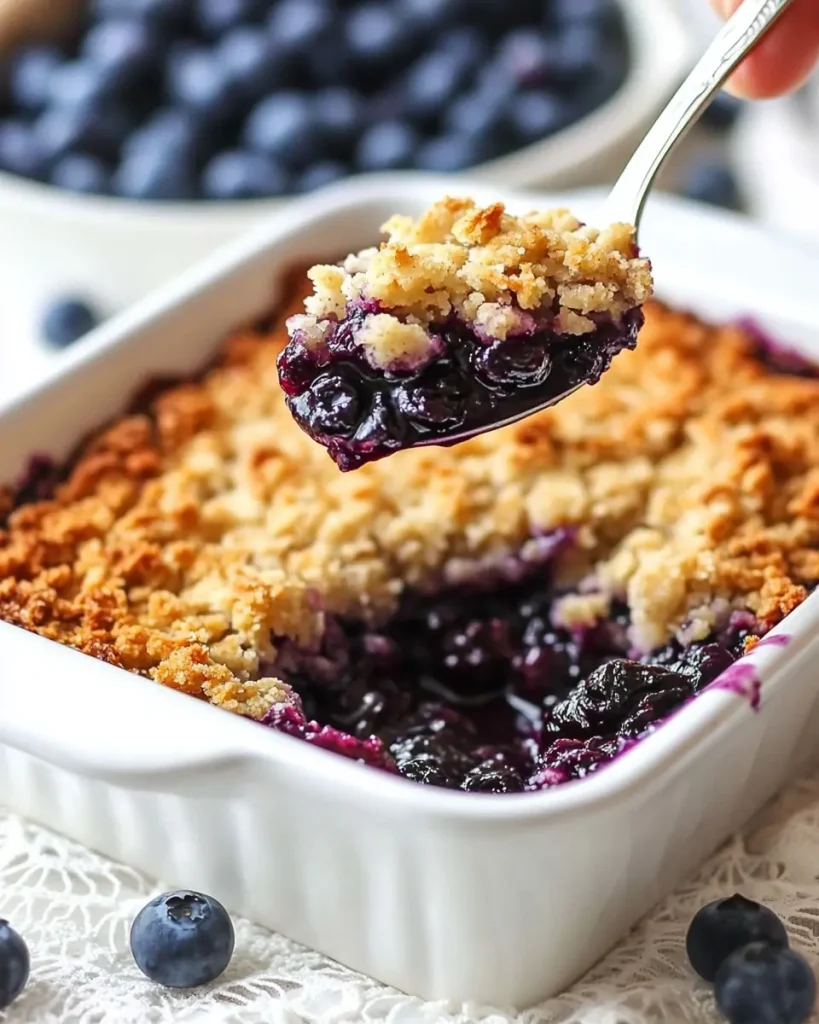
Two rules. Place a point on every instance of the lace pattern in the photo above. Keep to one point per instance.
(74, 908)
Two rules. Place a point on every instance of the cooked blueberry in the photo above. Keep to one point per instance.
(248, 56)
(723, 112)
(240, 174)
(426, 770)
(536, 114)
(711, 182)
(387, 146)
(182, 939)
(215, 17)
(66, 320)
(20, 152)
(567, 759)
(14, 964)
(150, 174)
(724, 926)
(430, 83)
(98, 132)
(704, 663)
(332, 406)
(123, 51)
(284, 126)
(378, 37)
(324, 173)
(30, 72)
(519, 362)
(447, 153)
(491, 777)
(438, 402)
(196, 78)
(79, 172)
(378, 426)
(298, 26)
(764, 984)
(340, 115)
(616, 693)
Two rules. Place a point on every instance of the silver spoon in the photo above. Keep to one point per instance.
(627, 199)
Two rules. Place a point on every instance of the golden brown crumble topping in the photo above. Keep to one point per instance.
(494, 270)
(185, 538)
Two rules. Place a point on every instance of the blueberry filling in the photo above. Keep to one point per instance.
(477, 689)
(361, 414)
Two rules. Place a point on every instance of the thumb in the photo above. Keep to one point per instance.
(785, 57)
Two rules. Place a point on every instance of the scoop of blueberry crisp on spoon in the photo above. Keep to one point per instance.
(462, 321)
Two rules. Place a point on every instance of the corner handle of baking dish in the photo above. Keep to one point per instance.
(88, 718)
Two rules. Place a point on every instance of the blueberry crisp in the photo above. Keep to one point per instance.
(461, 319)
(500, 616)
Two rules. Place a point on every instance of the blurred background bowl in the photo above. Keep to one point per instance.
(115, 250)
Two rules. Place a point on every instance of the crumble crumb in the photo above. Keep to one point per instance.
(505, 275)
(189, 540)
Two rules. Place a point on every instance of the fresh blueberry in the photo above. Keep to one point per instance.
(182, 939)
(526, 57)
(167, 14)
(597, 13)
(174, 130)
(155, 174)
(99, 132)
(431, 82)
(722, 927)
(66, 320)
(79, 172)
(482, 114)
(340, 114)
(466, 45)
(387, 146)
(327, 172)
(215, 17)
(198, 80)
(378, 38)
(247, 54)
(536, 114)
(709, 181)
(14, 964)
(240, 174)
(298, 26)
(448, 153)
(76, 83)
(579, 54)
(30, 74)
(20, 152)
(285, 126)
(123, 50)
(723, 112)
(764, 984)
(433, 15)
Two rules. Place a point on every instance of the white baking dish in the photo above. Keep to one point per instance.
(502, 900)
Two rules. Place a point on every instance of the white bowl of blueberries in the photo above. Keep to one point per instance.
(163, 128)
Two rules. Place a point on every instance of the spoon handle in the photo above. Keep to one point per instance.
(733, 43)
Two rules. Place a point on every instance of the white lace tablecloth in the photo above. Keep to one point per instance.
(74, 909)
